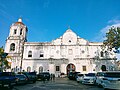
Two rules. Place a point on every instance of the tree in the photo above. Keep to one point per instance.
(113, 38)
(3, 60)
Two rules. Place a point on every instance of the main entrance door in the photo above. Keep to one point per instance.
(70, 68)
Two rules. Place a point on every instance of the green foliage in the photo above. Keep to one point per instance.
(113, 38)
(1, 51)
(3, 61)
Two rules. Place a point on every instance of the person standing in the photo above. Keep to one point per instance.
(53, 77)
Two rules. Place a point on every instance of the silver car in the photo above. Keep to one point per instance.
(111, 80)
(79, 78)
(89, 78)
(99, 78)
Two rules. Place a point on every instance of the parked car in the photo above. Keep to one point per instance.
(31, 76)
(43, 76)
(111, 80)
(79, 78)
(89, 78)
(99, 78)
(73, 75)
(7, 79)
(21, 79)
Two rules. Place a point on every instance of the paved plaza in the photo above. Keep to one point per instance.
(58, 84)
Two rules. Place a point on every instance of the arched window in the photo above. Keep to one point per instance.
(15, 31)
(21, 32)
(101, 54)
(12, 47)
(30, 54)
(28, 69)
(40, 69)
(41, 54)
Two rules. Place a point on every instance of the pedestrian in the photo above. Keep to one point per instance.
(54, 77)
(51, 75)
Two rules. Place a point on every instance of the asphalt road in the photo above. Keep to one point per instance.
(58, 84)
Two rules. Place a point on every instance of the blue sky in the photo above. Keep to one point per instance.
(49, 19)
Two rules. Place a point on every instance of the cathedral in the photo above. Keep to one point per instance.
(68, 53)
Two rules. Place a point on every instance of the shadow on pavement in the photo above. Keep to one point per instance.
(7, 88)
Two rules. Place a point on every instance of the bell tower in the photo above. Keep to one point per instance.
(15, 44)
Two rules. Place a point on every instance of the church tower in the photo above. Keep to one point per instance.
(15, 44)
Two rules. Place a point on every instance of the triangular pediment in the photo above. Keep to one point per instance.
(70, 38)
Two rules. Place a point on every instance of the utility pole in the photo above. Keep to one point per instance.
(21, 57)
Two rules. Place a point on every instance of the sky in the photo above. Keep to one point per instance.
(47, 20)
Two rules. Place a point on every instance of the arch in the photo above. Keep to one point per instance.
(21, 32)
(41, 54)
(70, 68)
(30, 54)
(12, 47)
(40, 69)
(103, 68)
(15, 31)
(28, 69)
(101, 54)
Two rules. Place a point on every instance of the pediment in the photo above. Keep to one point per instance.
(70, 38)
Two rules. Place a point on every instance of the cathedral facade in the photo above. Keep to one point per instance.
(66, 54)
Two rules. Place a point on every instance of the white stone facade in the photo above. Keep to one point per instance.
(65, 54)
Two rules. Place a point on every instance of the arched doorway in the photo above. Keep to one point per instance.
(70, 68)
(103, 68)
(28, 69)
(40, 69)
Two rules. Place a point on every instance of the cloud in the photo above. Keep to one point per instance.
(114, 21)
(118, 56)
(106, 29)
(101, 35)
